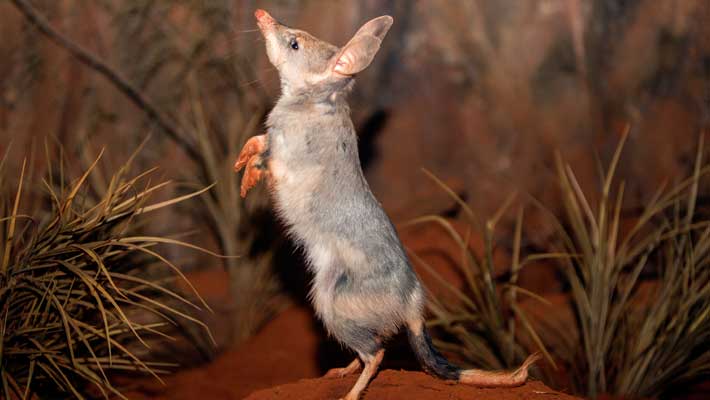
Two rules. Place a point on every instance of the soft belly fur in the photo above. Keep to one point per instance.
(363, 287)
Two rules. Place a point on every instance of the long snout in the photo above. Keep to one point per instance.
(264, 20)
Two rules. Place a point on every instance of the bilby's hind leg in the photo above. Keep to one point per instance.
(352, 368)
(372, 364)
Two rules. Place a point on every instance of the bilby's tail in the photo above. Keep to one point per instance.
(429, 357)
(434, 363)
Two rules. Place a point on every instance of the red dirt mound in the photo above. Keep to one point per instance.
(397, 385)
(282, 352)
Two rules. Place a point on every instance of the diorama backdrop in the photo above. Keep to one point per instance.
(469, 105)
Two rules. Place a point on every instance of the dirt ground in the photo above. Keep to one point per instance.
(391, 385)
(286, 358)
(282, 352)
(267, 366)
(279, 363)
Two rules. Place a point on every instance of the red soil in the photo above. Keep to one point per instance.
(283, 359)
(391, 385)
(282, 352)
(293, 347)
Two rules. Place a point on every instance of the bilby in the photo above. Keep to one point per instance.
(364, 289)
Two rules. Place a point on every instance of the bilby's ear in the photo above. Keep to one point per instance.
(361, 49)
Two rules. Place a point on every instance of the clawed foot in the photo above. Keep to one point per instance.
(254, 146)
(250, 157)
(352, 368)
(252, 174)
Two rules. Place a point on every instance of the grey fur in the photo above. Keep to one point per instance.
(364, 288)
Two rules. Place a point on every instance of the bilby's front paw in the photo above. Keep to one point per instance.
(254, 146)
(251, 158)
(252, 174)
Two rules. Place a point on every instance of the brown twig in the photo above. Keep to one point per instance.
(121, 83)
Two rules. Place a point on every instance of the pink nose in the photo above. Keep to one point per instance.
(262, 16)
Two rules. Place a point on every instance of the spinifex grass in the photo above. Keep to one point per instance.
(153, 56)
(635, 342)
(236, 223)
(483, 322)
(69, 284)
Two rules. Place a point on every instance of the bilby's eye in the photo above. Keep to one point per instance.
(293, 43)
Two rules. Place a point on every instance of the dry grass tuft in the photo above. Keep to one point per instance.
(191, 75)
(485, 326)
(70, 280)
(641, 294)
(237, 224)
(639, 288)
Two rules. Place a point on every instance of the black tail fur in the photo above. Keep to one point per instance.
(429, 357)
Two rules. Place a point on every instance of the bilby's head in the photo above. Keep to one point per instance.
(308, 64)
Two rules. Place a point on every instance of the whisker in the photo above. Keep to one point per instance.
(245, 30)
(280, 64)
(268, 69)
(255, 82)
(250, 83)
(234, 52)
(235, 38)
